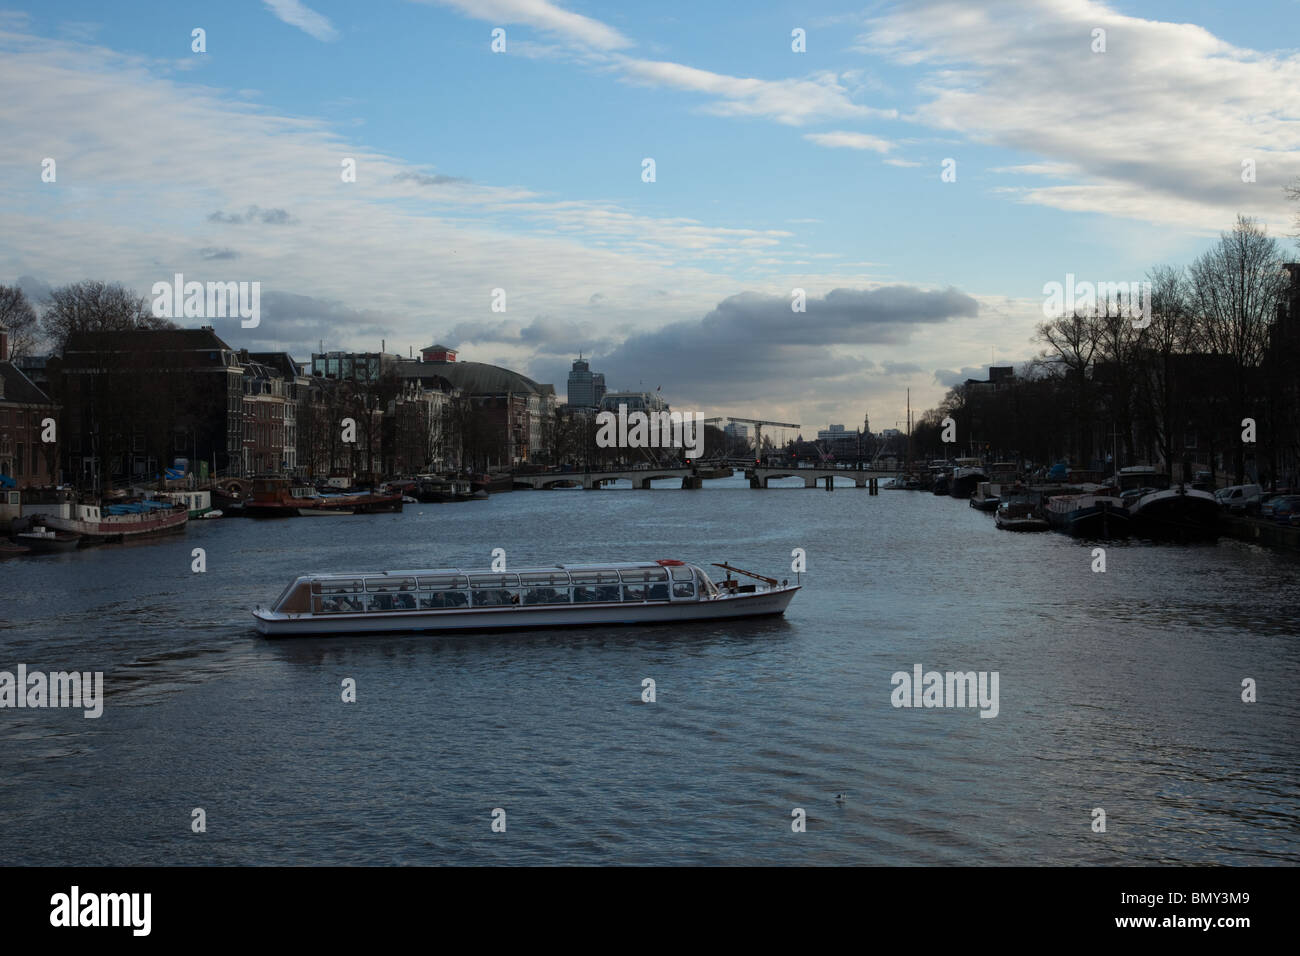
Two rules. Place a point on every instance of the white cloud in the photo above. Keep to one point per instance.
(793, 102)
(843, 140)
(542, 15)
(1153, 129)
(296, 14)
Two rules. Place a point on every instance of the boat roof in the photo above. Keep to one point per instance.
(609, 566)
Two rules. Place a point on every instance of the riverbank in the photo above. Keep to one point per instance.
(1259, 531)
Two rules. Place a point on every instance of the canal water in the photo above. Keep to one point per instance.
(1118, 691)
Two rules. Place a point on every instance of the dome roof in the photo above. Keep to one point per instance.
(478, 378)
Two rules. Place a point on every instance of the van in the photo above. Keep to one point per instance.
(1239, 499)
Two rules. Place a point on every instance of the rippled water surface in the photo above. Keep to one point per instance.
(1119, 690)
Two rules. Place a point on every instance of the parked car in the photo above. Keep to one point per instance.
(1239, 499)
(1280, 508)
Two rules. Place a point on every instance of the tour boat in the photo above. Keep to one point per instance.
(565, 595)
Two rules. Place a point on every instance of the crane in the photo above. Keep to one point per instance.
(758, 424)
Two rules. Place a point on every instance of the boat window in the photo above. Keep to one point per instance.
(493, 580)
(546, 595)
(494, 597)
(594, 577)
(552, 578)
(295, 599)
(634, 592)
(648, 574)
(657, 592)
(443, 581)
(341, 586)
(685, 573)
(444, 599)
(683, 589)
(390, 584)
(338, 604)
(595, 595)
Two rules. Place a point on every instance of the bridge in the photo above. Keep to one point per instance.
(692, 476)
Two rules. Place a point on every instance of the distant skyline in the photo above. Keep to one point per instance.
(523, 171)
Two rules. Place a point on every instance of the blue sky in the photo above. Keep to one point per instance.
(774, 170)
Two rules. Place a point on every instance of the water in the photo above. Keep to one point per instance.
(1119, 690)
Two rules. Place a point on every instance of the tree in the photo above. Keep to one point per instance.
(95, 306)
(18, 318)
(1237, 286)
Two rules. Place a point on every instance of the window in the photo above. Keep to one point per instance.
(546, 595)
(683, 589)
(19, 457)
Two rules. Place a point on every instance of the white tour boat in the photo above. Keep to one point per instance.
(566, 595)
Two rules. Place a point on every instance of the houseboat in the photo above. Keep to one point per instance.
(966, 476)
(98, 523)
(1020, 513)
(565, 595)
(1095, 514)
(1159, 509)
(199, 503)
(277, 498)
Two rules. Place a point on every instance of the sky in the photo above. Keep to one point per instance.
(919, 169)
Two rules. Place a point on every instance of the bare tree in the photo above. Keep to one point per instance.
(18, 317)
(1236, 287)
(95, 306)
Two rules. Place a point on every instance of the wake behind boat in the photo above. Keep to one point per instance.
(566, 595)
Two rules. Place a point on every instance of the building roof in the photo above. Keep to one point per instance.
(475, 378)
(19, 389)
(438, 348)
(163, 340)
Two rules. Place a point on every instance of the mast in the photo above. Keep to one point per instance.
(909, 430)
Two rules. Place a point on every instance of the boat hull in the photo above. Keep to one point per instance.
(1098, 519)
(1176, 515)
(516, 618)
(122, 527)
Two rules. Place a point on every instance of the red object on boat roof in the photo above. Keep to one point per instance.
(670, 562)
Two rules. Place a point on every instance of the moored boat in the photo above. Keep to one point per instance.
(983, 498)
(967, 473)
(1099, 514)
(1181, 513)
(42, 540)
(565, 595)
(111, 521)
(1020, 514)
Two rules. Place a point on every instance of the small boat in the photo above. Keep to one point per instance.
(9, 550)
(408, 500)
(564, 595)
(214, 513)
(1020, 514)
(984, 499)
(42, 540)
